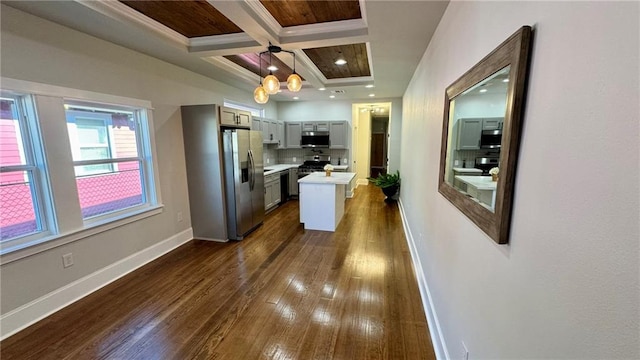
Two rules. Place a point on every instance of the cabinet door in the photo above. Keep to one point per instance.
(227, 116)
(275, 192)
(293, 181)
(244, 118)
(338, 135)
(322, 126)
(492, 123)
(256, 124)
(273, 132)
(294, 133)
(265, 131)
(308, 126)
(267, 196)
(280, 133)
(469, 134)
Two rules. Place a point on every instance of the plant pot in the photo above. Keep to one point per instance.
(494, 177)
(327, 172)
(389, 191)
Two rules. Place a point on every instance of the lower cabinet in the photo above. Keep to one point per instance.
(271, 191)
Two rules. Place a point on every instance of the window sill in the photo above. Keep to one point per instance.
(10, 253)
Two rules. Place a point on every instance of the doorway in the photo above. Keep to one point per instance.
(379, 145)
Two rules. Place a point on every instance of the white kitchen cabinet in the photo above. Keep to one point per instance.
(293, 181)
(256, 124)
(338, 131)
(271, 191)
(280, 132)
(293, 134)
(315, 126)
(234, 117)
(469, 131)
(492, 123)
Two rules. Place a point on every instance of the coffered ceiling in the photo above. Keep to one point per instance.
(381, 41)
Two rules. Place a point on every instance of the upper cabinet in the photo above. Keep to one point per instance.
(315, 126)
(234, 117)
(469, 132)
(293, 133)
(338, 131)
(270, 130)
(492, 123)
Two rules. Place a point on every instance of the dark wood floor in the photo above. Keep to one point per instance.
(282, 293)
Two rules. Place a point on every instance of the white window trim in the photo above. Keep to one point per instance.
(71, 229)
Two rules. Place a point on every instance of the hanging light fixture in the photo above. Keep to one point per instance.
(271, 84)
(260, 95)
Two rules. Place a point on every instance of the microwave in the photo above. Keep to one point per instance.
(314, 139)
(491, 139)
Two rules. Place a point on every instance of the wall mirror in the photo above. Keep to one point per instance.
(481, 134)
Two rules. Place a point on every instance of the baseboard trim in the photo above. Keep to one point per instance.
(362, 182)
(36, 310)
(439, 344)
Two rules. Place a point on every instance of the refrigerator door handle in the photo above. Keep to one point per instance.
(252, 171)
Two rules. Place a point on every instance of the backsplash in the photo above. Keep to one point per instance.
(296, 156)
(269, 155)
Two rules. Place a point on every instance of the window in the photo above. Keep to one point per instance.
(106, 147)
(94, 174)
(23, 204)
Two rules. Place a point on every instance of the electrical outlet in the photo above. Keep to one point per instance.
(268, 160)
(67, 260)
(294, 159)
(179, 216)
(464, 353)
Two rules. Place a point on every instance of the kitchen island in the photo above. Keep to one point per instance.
(481, 188)
(322, 199)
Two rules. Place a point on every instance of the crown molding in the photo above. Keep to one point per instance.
(121, 12)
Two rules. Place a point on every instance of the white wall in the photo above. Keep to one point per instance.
(40, 51)
(568, 285)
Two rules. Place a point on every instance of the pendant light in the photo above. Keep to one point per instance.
(294, 82)
(260, 95)
(271, 84)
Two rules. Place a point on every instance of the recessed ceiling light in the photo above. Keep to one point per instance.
(272, 68)
(332, 96)
(483, 90)
(372, 95)
(505, 80)
(322, 89)
(340, 61)
(369, 86)
(295, 98)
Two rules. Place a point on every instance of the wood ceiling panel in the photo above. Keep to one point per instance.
(356, 55)
(191, 18)
(305, 12)
(250, 62)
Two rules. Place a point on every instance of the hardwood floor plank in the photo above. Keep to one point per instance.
(282, 293)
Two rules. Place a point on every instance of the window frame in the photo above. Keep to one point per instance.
(34, 167)
(65, 220)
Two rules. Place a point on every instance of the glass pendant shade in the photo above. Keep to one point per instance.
(260, 95)
(271, 84)
(294, 82)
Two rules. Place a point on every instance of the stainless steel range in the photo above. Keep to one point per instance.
(313, 163)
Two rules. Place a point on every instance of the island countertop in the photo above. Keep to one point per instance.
(479, 182)
(335, 178)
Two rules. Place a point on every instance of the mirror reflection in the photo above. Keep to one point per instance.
(476, 119)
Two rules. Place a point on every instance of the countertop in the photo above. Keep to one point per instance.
(272, 169)
(467, 170)
(479, 182)
(321, 178)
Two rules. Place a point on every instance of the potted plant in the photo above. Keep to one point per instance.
(389, 183)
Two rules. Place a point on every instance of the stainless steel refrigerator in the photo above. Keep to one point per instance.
(225, 177)
(244, 180)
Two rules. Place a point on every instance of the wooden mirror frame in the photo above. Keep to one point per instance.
(514, 52)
